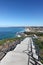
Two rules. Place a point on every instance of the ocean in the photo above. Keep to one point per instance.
(9, 32)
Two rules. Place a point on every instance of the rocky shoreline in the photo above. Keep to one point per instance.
(8, 47)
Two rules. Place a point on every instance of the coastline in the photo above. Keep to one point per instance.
(10, 32)
(9, 44)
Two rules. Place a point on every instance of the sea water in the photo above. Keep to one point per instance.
(9, 32)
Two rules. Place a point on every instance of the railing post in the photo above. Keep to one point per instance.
(35, 62)
(28, 59)
(31, 45)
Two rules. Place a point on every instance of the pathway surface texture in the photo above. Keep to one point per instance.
(19, 56)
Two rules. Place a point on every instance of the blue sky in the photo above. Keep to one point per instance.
(21, 13)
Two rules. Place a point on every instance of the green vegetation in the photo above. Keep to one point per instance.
(10, 40)
(42, 61)
(31, 33)
(40, 45)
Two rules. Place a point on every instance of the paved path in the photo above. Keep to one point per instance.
(19, 55)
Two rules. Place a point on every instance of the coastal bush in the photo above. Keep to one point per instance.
(42, 61)
(10, 40)
(31, 33)
(39, 43)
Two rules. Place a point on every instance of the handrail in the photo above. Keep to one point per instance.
(37, 61)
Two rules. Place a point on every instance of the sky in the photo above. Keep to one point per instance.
(21, 13)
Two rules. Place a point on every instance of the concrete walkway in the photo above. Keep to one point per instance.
(19, 55)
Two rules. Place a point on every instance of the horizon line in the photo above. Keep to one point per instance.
(21, 26)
